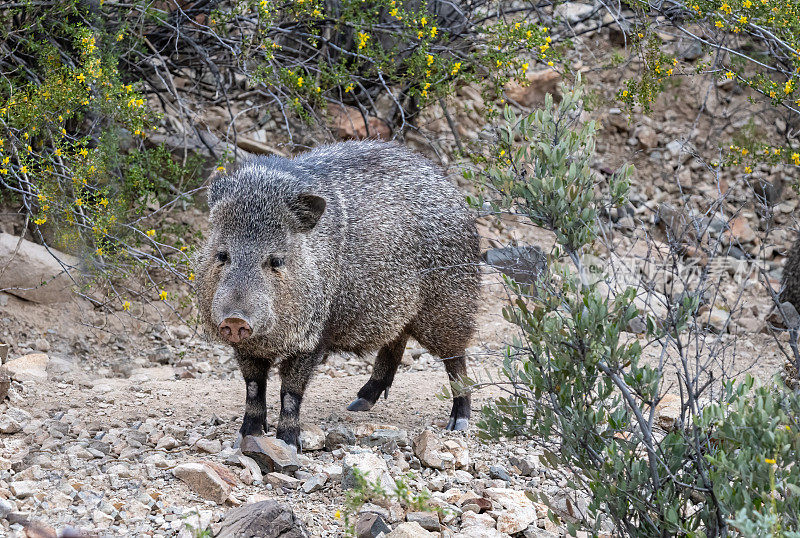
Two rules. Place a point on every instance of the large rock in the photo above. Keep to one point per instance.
(521, 264)
(31, 367)
(348, 123)
(371, 466)
(370, 525)
(410, 530)
(203, 480)
(312, 437)
(266, 519)
(13, 420)
(532, 91)
(518, 511)
(33, 273)
(573, 12)
(271, 454)
(668, 412)
(433, 453)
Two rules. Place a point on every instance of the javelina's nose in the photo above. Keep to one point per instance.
(234, 330)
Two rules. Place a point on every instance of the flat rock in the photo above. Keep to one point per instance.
(532, 91)
(370, 465)
(427, 520)
(573, 12)
(518, 510)
(203, 480)
(280, 480)
(13, 420)
(271, 454)
(23, 489)
(33, 273)
(266, 519)
(410, 530)
(370, 525)
(28, 368)
(312, 437)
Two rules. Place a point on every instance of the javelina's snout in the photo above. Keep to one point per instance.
(235, 329)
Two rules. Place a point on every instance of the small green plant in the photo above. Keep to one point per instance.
(576, 381)
(365, 491)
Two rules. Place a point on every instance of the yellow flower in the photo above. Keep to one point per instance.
(30, 149)
(423, 21)
(669, 72)
(430, 59)
(420, 34)
(788, 87)
(743, 19)
(150, 233)
(83, 152)
(457, 67)
(40, 221)
(624, 93)
(99, 251)
(104, 202)
(550, 63)
(730, 74)
(58, 152)
(220, 168)
(162, 295)
(433, 31)
(126, 305)
(748, 170)
(81, 77)
(719, 24)
(5, 161)
(120, 36)
(362, 40)
(796, 160)
(769, 460)
(24, 169)
(394, 13)
(78, 202)
(337, 514)
(4, 171)
(725, 8)
(191, 276)
(25, 136)
(747, 4)
(349, 88)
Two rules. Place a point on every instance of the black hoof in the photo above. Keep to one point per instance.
(458, 424)
(360, 404)
(290, 436)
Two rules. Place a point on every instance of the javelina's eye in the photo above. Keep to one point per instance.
(275, 262)
(222, 257)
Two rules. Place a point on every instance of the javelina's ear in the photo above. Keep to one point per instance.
(220, 186)
(307, 210)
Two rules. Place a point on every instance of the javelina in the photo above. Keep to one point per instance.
(351, 247)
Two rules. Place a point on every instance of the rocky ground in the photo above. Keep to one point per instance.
(123, 423)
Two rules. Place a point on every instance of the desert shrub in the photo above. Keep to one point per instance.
(88, 89)
(576, 379)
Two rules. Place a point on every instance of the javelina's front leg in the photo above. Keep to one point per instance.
(295, 371)
(254, 372)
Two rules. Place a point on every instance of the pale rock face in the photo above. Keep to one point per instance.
(33, 273)
(518, 512)
(203, 480)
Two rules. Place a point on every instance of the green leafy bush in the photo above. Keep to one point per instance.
(577, 383)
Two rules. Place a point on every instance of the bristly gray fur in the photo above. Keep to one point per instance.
(394, 252)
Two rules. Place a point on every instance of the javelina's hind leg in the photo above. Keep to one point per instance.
(386, 364)
(295, 373)
(457, 372)
(254, 372)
